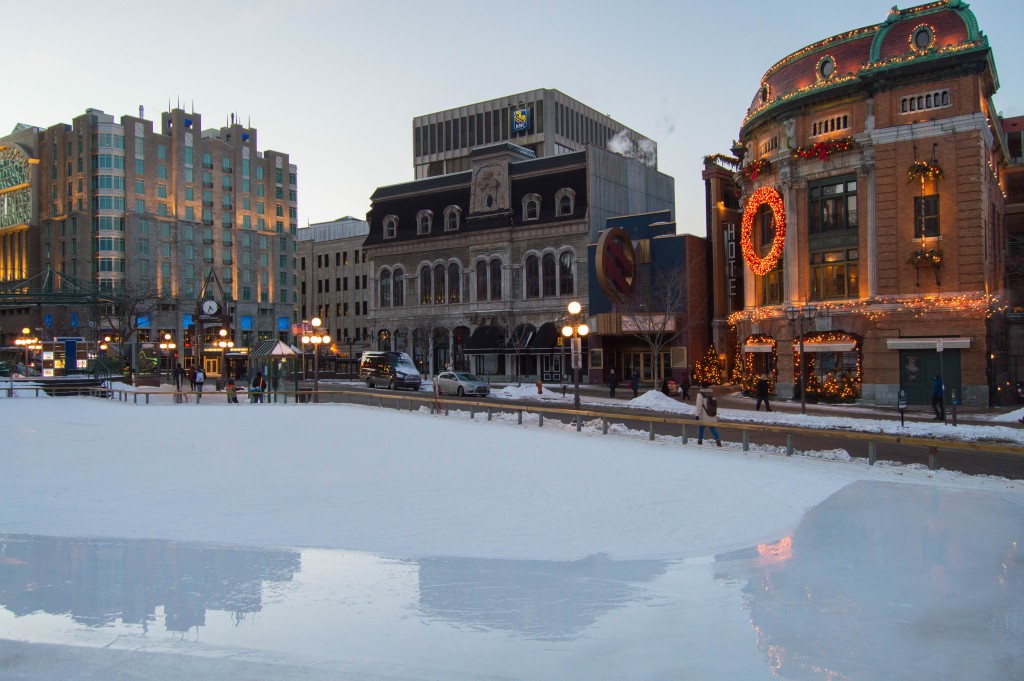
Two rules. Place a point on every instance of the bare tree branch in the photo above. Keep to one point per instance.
(653, 312)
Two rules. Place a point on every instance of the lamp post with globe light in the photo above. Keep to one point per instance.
(799, 315)
(224, 344)
(166, 347)
(576, 329)
(316, 338)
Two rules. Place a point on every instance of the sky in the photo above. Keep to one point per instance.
(336, 84)
(211, 541)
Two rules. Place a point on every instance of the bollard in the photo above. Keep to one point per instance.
(471, 414)
(520, 417)
(789, 444)
(540, 419)
(746, 441)
(604, 425)
(650, 434)
(579, 423)
(932, 458)
(684, 433)
(488, 413)
(872, 454)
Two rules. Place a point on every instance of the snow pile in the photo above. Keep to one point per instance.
(659, 401)
(1011, 417)
(528, 391)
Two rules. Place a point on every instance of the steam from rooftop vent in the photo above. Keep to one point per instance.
(645, 151)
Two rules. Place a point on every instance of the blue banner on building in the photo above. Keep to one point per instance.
(283, 324)
(522, 120)
(246, 323)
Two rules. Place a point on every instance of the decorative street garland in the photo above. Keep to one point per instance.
(766, 264)
(822, 150)
(723, 159)
(924, 170)
(755, 168)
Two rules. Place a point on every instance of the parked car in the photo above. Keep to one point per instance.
(461, 383)
(392, 369)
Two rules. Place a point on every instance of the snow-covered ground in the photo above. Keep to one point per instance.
(349, 542)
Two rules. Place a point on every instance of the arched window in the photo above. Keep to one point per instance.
(548, 275)
(453, 283)
(495, 279)
(531, 207)
(390, 226)
(566, 273)
(481, 280)
(533, 277)
(385, 289)
(439, 288)
(424, 220)
(426, 290)
(565, 201)
(452, 217)
(398, 288)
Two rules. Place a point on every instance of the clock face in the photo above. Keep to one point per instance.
(210, 307)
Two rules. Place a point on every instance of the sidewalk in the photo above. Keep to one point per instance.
(730, 397)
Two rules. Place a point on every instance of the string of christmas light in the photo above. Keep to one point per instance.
(766, 264)
(931, 43)
(884, 306)
(723, 159)
(924, 170)
(708, 369)
(824, 149)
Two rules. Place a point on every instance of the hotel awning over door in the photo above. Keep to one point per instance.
(759, 347)
(485, 340)
(927, 343)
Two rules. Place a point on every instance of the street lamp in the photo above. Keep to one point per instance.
(28, 342)
(166, 347)
(224, 344)
(316, 338)
(576, 329)
(801, 315)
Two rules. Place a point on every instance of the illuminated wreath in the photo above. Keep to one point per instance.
(766, 264)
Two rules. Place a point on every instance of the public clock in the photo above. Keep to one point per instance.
(210, 307)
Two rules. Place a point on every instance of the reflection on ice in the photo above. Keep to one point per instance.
(534, 599)
(880, 581)
(886, 577)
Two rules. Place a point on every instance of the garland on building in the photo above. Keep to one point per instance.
(822, 150)
(708, 369)
(931, 256)
(766, 264)
(724, 160)
(755, 168)
(924, 170)
(831, 388)
(749, 373)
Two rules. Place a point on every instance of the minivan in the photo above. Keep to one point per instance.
(392, 369)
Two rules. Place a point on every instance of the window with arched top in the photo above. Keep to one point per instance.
(565, 201)
(548, 279)
(481, 280)
(533, 277)
(390, 226)
(531, 207)
(567, 273)
(384, 288)
(495, 279)
(398, 288)
(424, 220)
(452, 217)
(453, 283)
(426, 288)
(439, 288)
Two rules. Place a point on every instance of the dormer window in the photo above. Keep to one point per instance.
(390, 226)
(452, 218)
(565, 201)
(531, 207)
(424, 220)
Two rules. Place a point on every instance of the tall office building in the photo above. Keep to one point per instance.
(199, 214)
(547, 122)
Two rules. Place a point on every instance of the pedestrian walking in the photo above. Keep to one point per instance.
(634, 383)
(938, 399)
(258, 387)
(192, 377)
(684, 386)
(200, 381)
(179, 378)
(613, 383)
(229, 388)
(761, 390)
(707, 414)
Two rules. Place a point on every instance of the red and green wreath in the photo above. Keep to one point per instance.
(761, 165)
(766, 264)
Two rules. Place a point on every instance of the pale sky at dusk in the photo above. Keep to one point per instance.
(337, 84)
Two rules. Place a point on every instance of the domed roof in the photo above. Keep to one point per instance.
(910, 36)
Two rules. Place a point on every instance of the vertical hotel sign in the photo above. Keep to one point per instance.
(522, 120)
(15, 192)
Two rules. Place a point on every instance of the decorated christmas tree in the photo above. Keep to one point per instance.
(708, 369)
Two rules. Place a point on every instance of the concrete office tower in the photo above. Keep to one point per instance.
(544, 121)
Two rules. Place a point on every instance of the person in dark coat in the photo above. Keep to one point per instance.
(938, 399)
(761, 390)
(192, 377)
(613, 383)
(684, 386)
(634, 382)
(258, 387)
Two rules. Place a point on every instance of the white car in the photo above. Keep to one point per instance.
(460, 383)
